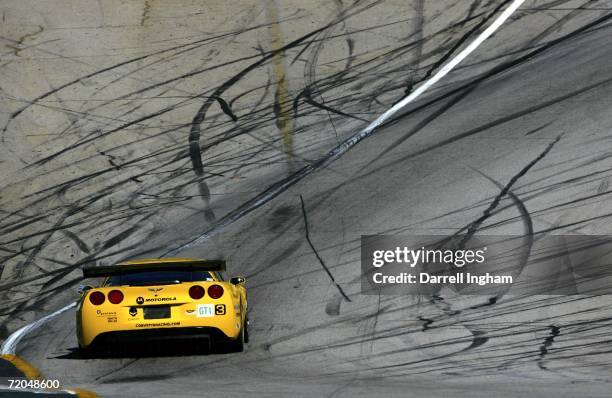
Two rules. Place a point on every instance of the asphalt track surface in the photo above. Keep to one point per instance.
(531, 122)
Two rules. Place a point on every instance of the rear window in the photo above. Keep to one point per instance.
(143, 278)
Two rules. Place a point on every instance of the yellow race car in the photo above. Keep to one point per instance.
(155, 299)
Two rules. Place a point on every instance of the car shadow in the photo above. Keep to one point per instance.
(149, 349)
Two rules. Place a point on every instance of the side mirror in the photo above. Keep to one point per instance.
(82, 289)
(237, 280)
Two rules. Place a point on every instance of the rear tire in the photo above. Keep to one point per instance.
(88, 352)
(237, 345)
(99, 349)
(246, 330)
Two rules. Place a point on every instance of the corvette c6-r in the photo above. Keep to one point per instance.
(155, 299)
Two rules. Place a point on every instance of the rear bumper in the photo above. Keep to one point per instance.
(146, 335)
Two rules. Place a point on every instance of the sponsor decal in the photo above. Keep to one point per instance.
(133, 311)
(141, 300)
(105, 313)
(158, 299)
(155, 290)
(157, 324)
(220, 309)
(111, 319)
(205, 310)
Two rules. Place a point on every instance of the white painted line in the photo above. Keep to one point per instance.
(345, 146)
(10, 344)
(42, 393)
(448, 67)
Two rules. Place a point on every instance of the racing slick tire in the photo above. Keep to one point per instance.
(107, 349)
(85, 353)
(246, 330)
(88, 352)
(237, 345)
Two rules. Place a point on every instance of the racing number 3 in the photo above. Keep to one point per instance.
(206, 310)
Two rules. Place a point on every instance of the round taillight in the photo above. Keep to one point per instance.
(115, 296)
(196, 292)
(96, 298)
(215, 291)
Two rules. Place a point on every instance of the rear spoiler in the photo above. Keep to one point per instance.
(122, 268)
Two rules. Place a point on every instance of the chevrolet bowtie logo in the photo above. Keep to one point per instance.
(155, 290)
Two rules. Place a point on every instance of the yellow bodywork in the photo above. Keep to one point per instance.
(228, 315)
